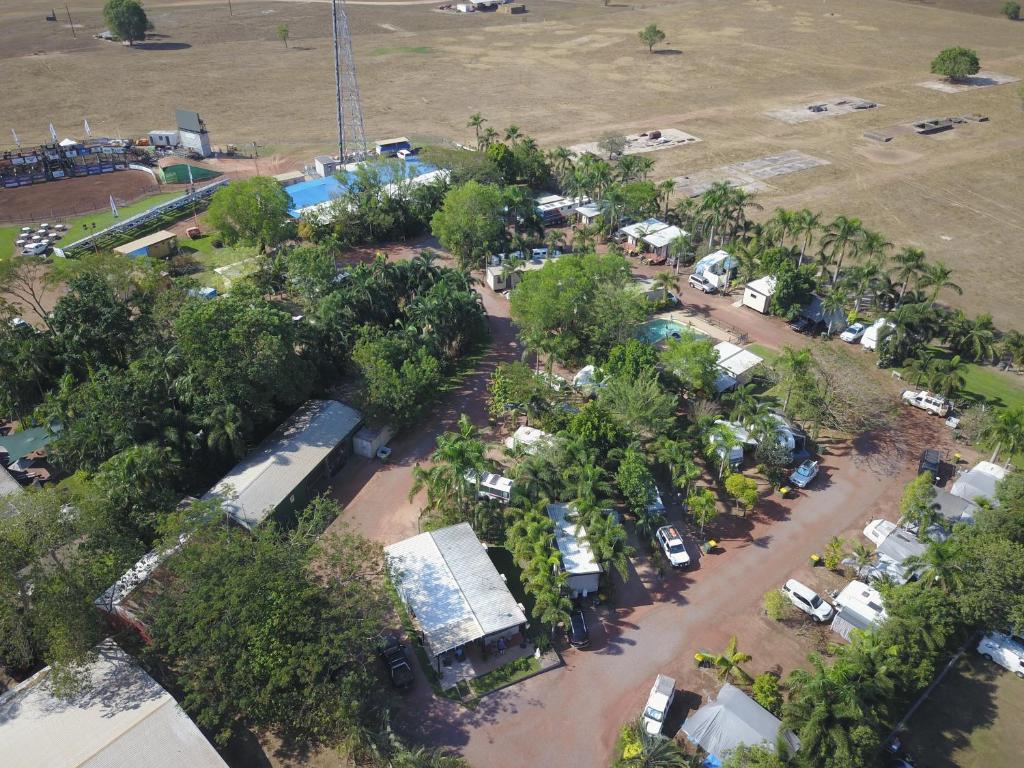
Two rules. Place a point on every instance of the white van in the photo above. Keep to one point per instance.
(1005, 650)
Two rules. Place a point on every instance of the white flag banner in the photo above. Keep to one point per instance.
(113, 206)
(88, 130)
(53, 133)
(17, 141)
(190, 182)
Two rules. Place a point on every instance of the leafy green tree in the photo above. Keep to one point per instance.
(607, 540)
(758, 756)
(743, 489)
(835, 550)
(630, 360)
(253, 211)
(1011, 10)
(766, 692)
(258, 637)
(971, 339)
(240, 349)
(639, 406)
(92, 325)
(450, 497)
(1005, 431)
(702, 507)
(138, 484)
(312, 272)
(635, 481)
(396, 391)
(470, 223)
(693, 361)
(651, 36)
(126, 19)
(956, 63)
(917, 504)
(1005, 519)
(794, 287)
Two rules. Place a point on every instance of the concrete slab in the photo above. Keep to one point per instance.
(637, 143)
(830, 106)
(984, 79)
(748, 175)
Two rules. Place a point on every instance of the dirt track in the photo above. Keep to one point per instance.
(60, 200)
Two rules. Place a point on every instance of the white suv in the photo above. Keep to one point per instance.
(672, 545)
(808, 601)
(701, 284)
(926, 401)
(1005, 650)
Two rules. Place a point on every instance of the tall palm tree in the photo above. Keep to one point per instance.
(947, 377)
(973, 339)
(513, 134)
(665, 190)
(873, 247)
(607, 540)
(711, 209)
(226, 428)
(561, 159)
(919, 367)
(1006, 431)
(728, 662)
(666, 281)
(937, 277)
(805, 226)
(796, 363)
(833, 303)
(782, 224)
(908, 264)
(841, 237)
(476, 122)
(489, 137)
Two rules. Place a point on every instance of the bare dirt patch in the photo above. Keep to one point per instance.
(981, 80)
(56, 200)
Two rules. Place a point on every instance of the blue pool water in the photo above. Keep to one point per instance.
(317, 191)
(657, 330)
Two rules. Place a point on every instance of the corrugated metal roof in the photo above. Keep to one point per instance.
(577, 556)
(267, 476)
(123, 719)
(8, 485)
(664, 236)
(763, 285)
(145, 242)
(452, 588)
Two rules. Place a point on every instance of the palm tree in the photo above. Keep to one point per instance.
(666, 281)
(728, 663)
(840, 238)
(647, 522)
(937, 277)
(940, 562)
(226, 427)
(513, 134)
(711, 208)
(947, 377)
(873, 247)
(832, 303)
(655, 751)
(806, 224)
(607, 540)
(476, 122)
(489, 137)
(972, 339)
(561, 159)
(919, 367)
(797, 364)
(1006, 430)
(665, 190)
(781, 225)
(862, 556)
(909, 263)
(585, 238)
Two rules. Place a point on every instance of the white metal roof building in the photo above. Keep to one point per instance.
(452, 589)
(642, 228)
(736, 362)
(859, 607)
(661, 239)
(310, 446)
(530, 438)
(122, 720)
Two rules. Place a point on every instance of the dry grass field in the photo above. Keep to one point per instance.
(570, 71)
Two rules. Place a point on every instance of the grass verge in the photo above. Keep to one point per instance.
(82, 225)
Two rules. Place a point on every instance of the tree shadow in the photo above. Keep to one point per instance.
(668, 52)
(161, 46)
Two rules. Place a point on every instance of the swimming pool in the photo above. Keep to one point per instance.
(316, 191)
(660, 329)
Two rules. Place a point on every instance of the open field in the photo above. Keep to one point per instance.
(971, 720)
(570, 71)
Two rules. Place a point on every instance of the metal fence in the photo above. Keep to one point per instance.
(115, 233)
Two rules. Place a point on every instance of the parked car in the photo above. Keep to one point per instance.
(579, 634)
(392, 653)
(930, 463)
(927, 401)
(20, 324)
(672, 545)
(658, 702)
(804, 474)
(801, 324)
(808, 601)
(853, 334)
(36, 249)
(701, 283)
(1005, 650)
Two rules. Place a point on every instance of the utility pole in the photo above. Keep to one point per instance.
(67, 8)
(256, 157)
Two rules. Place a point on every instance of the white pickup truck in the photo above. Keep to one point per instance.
(658, 702)
(927, 401)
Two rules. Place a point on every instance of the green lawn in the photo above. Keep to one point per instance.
(211, 258)
(767, 353)
(77, 228)
(971, 720)
(999, 388)
(7, 237)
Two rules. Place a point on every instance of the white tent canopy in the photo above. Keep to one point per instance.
(732, 719)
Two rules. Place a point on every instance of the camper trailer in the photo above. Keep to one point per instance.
(491, 485)
(873, 334)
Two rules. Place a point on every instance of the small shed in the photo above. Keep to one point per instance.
(159, 245)
(737, 363)
(586, 214)
(326, 165)
(391, 147)
(369, 440)
(289, 178)
(163, 138)
(757, 294)
(581, 568)
(530, 439)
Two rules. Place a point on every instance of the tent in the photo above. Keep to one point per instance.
(732, 719)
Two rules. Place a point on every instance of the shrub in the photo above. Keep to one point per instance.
(776, 605)
(629, 742)
(834, 552)
(1012, 11)
(956, 63)
(766, 692)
